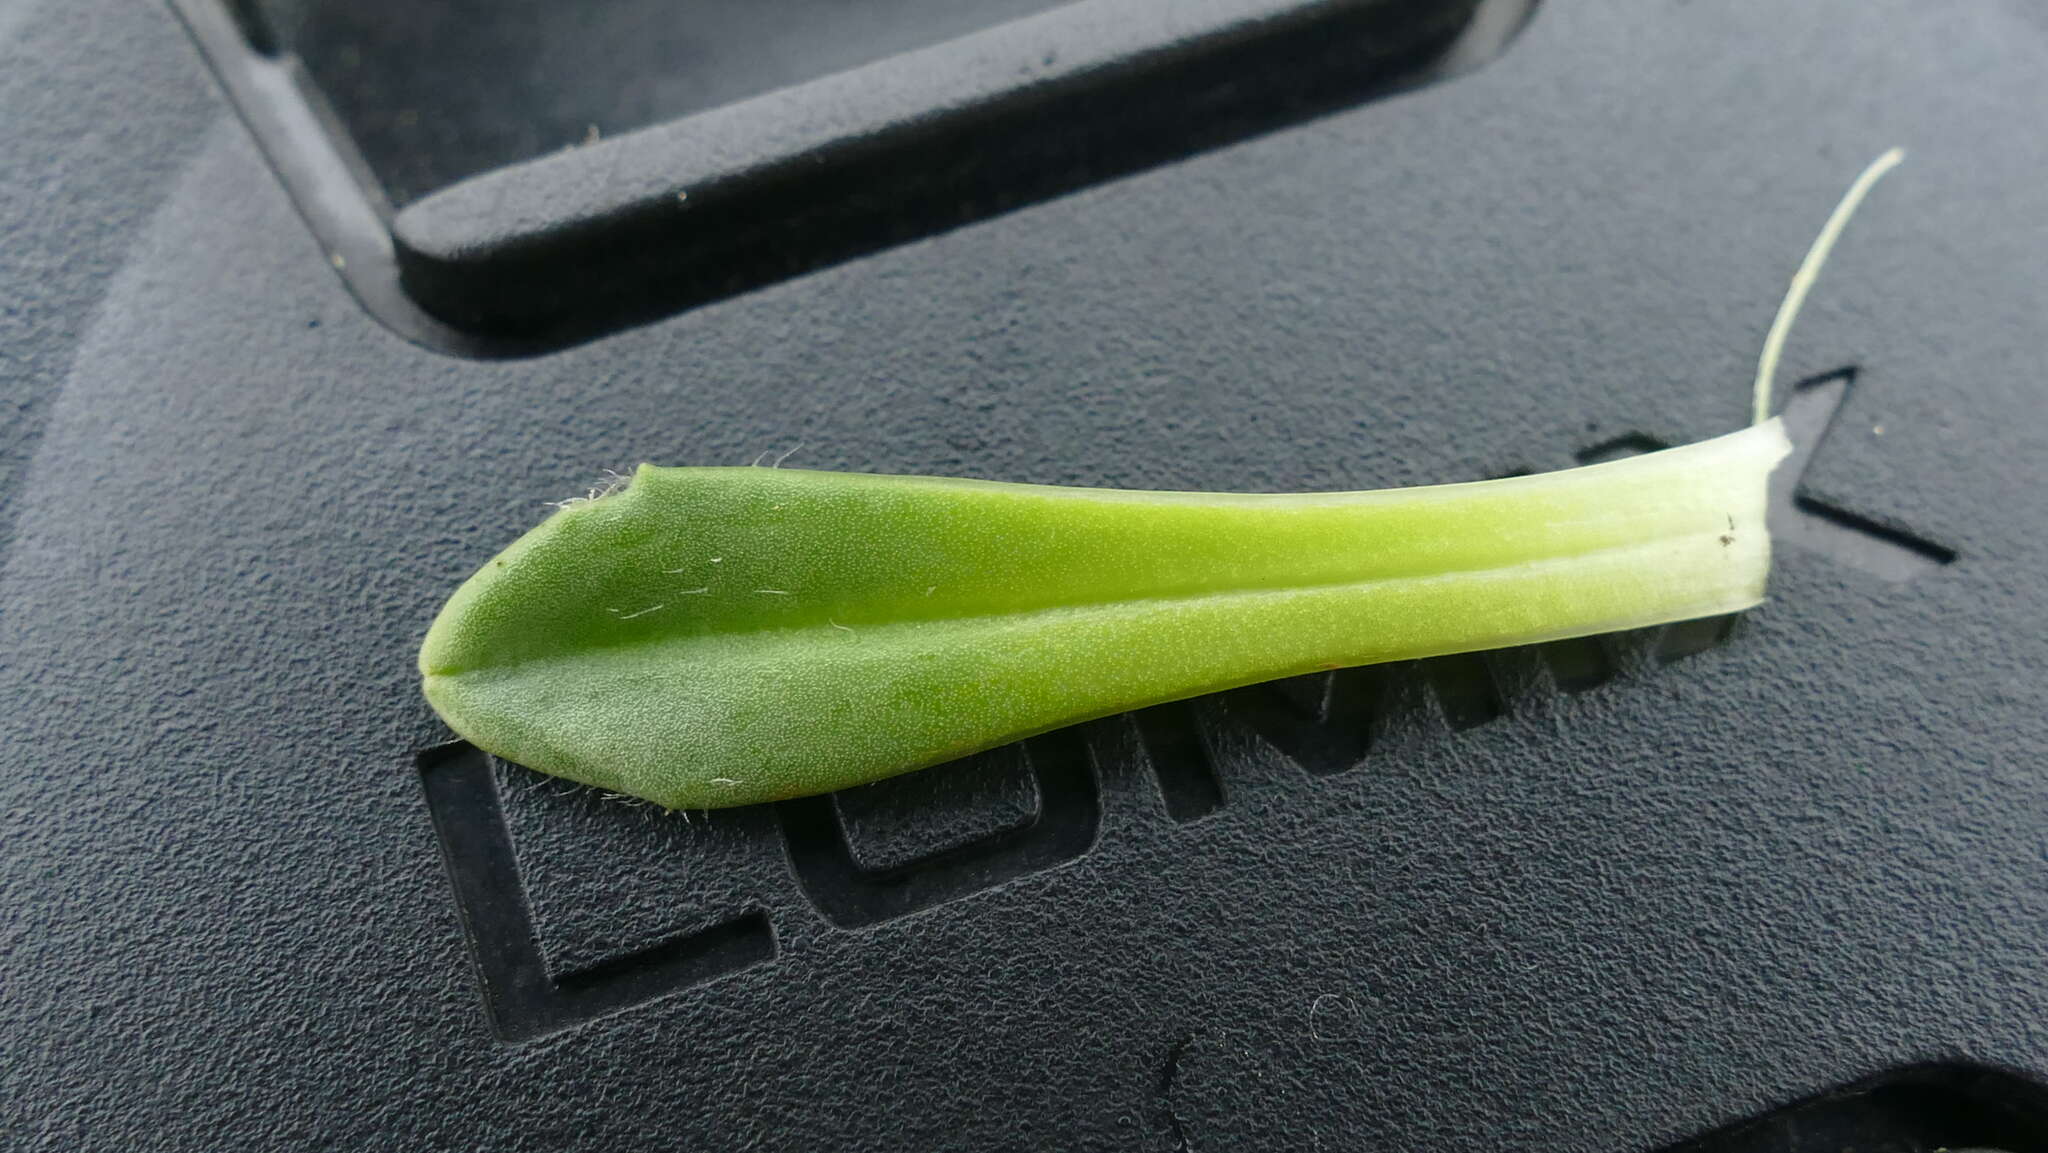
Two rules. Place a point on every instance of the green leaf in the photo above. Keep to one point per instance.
(723, 636)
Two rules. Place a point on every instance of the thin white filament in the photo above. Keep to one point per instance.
(1809, 271)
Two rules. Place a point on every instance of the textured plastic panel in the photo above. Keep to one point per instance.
(1657, 889)
(839, 147)
(434, 93)
(751, 192)
(546, 251)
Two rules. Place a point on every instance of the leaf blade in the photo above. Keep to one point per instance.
(925, 619)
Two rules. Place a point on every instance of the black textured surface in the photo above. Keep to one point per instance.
(1916, 1110)
(437, 92)
(1698, 889)
(82, 165)
(706, 206)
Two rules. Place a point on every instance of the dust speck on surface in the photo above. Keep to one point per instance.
(1327, 1010)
